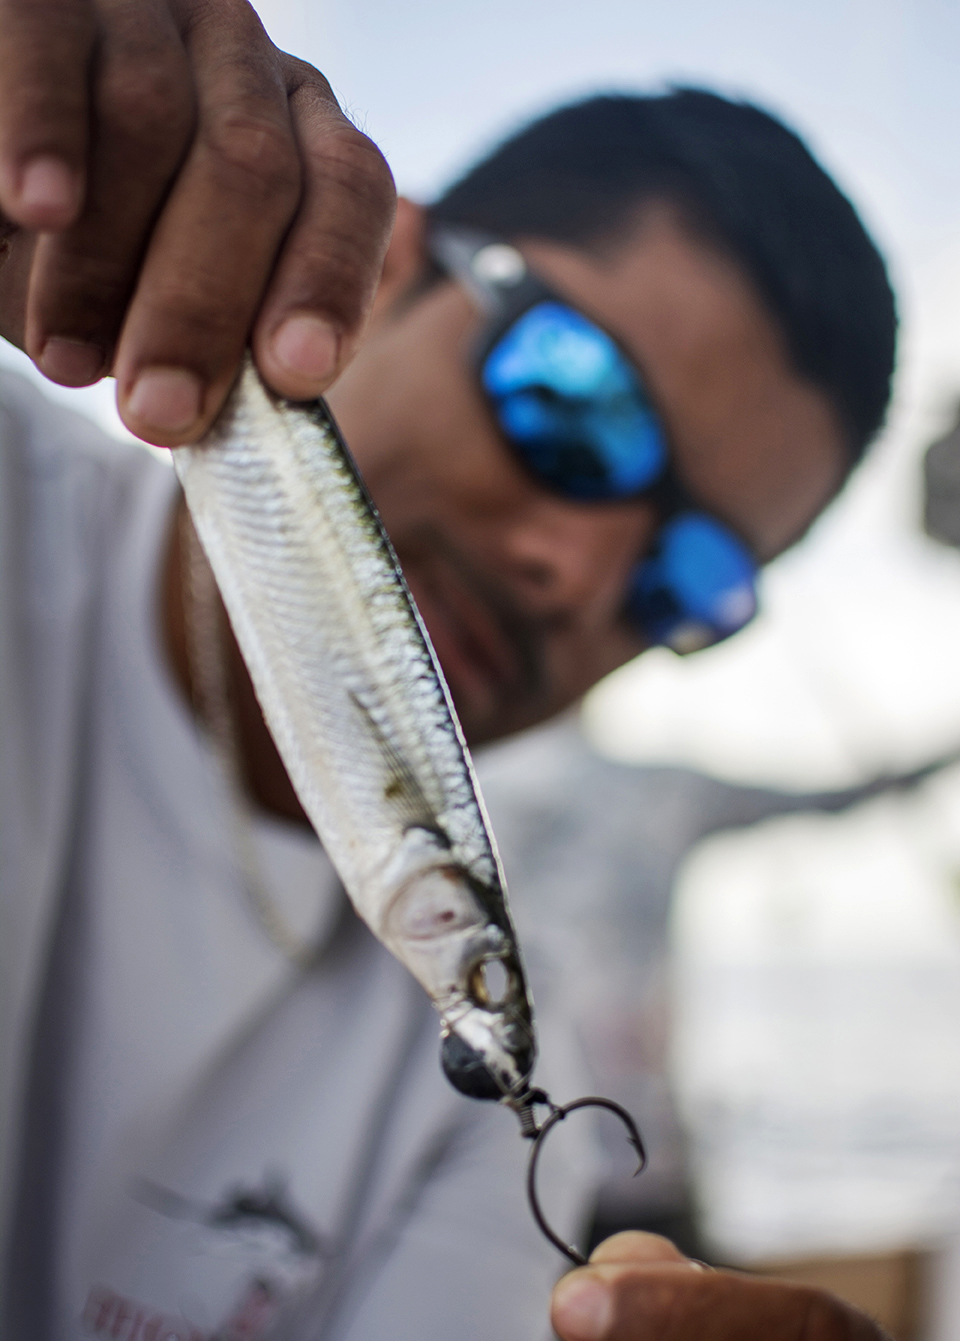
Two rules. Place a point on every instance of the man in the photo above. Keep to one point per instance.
(171, 1073)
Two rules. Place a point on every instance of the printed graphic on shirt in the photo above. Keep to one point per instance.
(269, 1248)
(241, 1208)
(108, 1314)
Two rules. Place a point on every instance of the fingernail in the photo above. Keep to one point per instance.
(49, 192)
(165, 400)
(307, 347)
(582, 1309)
(71, 362)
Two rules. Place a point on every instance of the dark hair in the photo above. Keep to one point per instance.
(741, 178)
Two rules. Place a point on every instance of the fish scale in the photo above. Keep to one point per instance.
(358, 708)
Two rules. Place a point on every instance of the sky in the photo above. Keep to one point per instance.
(856, 661)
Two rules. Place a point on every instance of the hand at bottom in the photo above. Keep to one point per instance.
(639, 1287)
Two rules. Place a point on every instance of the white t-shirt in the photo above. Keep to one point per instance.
(204, 1141)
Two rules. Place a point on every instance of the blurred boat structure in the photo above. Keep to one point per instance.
(592, 850)
(941, 469)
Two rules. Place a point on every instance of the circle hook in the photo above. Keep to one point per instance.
(539, 1133)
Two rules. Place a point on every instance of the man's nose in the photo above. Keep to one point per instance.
(566, 557)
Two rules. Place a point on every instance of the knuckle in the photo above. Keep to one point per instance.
(299, 74)
(257, 150)
(336, 147)
(151, 103)
(348, 163)
(196, 301)
(361, 165)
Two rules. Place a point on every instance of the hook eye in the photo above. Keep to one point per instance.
(538, 1134)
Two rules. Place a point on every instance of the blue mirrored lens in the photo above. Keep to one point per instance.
(570, 403)
(697, 588)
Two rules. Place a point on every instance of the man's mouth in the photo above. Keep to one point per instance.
(487, 650)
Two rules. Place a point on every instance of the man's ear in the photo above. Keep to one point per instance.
(406, 256)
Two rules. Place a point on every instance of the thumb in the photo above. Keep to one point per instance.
(584, 1301)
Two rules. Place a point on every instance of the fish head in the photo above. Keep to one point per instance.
(442, 924)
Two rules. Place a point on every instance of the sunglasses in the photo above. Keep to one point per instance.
(572, 406)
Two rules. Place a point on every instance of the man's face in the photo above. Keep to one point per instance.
(523, 591)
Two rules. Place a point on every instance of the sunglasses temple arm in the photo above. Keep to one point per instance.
(454, 252)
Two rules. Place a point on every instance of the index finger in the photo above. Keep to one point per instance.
(315, 308)
(212, 250)
(46, 47)
(669, 1301)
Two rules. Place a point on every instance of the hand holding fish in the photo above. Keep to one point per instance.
(639, 1287)
(173, 188)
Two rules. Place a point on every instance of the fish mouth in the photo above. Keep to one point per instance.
(475, 1072)
(489, 1048)
(490, 651)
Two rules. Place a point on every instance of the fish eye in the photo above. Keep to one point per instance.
(491, 983)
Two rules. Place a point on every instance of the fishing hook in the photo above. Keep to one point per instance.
(537, 1132)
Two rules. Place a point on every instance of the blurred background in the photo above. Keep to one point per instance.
(756, 912)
